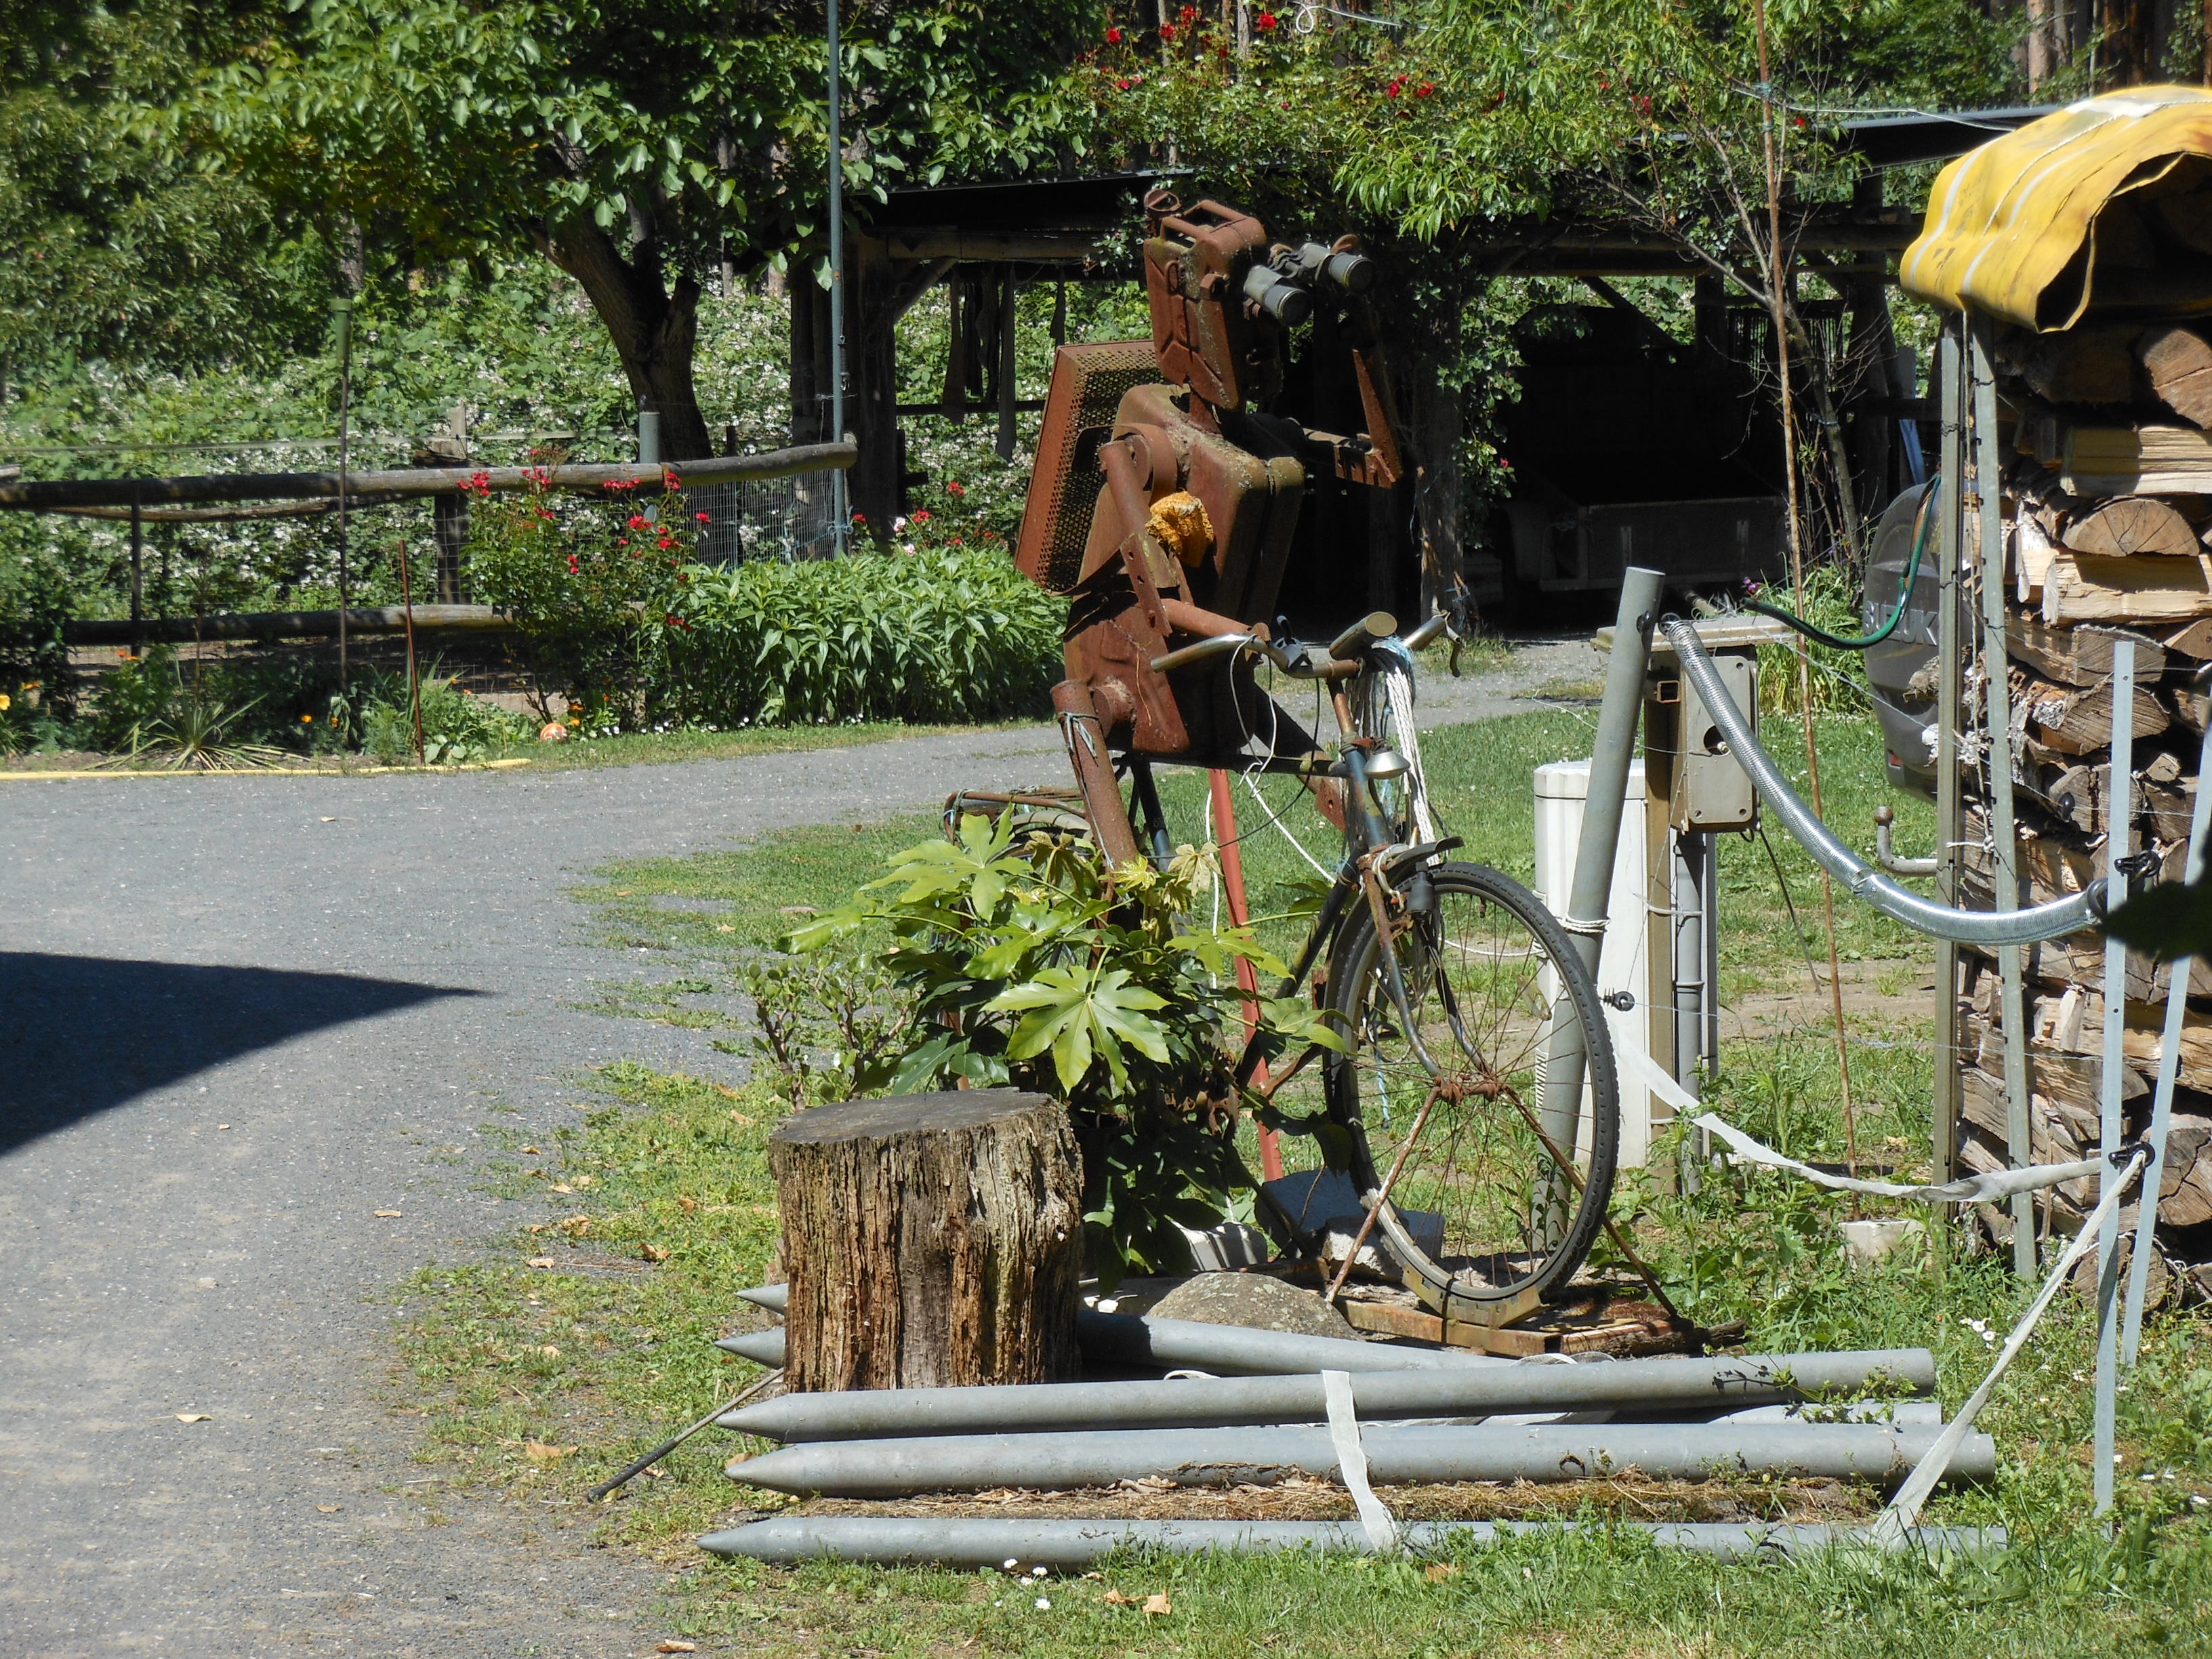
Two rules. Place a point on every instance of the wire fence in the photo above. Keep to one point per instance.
(788, 518)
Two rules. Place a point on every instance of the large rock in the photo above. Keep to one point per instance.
(1253, 1301)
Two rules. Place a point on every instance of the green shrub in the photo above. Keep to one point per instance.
(944, 635)
(1030, 964)
(457, 725)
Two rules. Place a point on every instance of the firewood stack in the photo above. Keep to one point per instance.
(2108, 504)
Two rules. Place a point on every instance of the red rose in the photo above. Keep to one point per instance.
(1167, 31)
(1423, 90)
(1123, 85)
(1189, 14)
(1113, 37)
(922, 515)
(1265, 20)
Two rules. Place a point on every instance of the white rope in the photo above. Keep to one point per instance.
(1974, 1189)
(1398, 690)
(1903, 1511)
(1351, 1462)
(1277, 818)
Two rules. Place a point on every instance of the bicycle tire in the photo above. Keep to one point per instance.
(1462, 1258)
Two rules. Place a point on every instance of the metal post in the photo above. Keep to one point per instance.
(1696, 995)
(648, 446)
(1944, 1134)
(137, 576)
(841, 511)
(2112, 1130)
(2005, 829)
(1591, 890)
(2169, 1060)
(1006, 363)
(344, 309)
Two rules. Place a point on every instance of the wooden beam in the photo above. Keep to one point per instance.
(50, 494)
(994, 246)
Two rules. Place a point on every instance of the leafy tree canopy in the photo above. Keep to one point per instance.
(111, 248)
(638, 144)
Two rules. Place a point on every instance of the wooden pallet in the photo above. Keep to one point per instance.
(1601, 1322)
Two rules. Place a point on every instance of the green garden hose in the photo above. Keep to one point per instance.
(1841, 642)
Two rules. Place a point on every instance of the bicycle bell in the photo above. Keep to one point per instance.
(1386, 765)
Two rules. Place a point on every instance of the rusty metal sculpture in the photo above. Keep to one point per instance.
(1165, 498)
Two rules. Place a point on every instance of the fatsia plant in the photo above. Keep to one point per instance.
(1033, 964)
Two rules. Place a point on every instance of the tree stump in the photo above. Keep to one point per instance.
(932, 1241)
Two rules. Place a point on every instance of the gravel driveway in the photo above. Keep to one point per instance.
(244, 1016)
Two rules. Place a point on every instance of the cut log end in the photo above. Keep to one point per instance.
(932, 1240)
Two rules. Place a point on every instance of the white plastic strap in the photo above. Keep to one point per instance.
(1903, 1512)
(1351, 1462)
(1974, 1189)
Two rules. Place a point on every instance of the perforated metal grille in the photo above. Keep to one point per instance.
(1088, 382)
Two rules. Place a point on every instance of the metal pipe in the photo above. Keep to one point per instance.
(2082, 910)
(1915, 1413)
(1591, 892)
(2119, 832)
(890, 1541)
(46, 495)
(1943, 1135)
(1396, 1454)
(762, 1348)
(1174, 1344)
(2169, 1059)
(841, 509)
(1637, 1384)
(2003, 819)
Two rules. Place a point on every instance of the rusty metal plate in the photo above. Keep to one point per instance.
(1088, 382)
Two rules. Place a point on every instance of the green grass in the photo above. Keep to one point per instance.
(676, 1165)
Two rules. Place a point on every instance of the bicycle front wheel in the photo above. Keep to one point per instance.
(1508, 1155)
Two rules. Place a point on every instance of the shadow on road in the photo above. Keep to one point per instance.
(79, 1035)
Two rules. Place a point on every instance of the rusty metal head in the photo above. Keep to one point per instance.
(1211, 333)
(1087, 384)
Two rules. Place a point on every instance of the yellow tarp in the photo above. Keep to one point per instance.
(2103, 208)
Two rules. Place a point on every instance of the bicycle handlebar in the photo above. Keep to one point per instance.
(1427, 631)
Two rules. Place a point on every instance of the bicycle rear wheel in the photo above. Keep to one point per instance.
(1504, 1186)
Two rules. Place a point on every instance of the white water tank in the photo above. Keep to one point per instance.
(1562, 787)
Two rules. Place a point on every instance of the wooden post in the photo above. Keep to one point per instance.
(933, 1240)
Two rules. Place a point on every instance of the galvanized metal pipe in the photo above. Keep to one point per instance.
(1395, 1454)
(1178, 1344)
(2119, 833)
(2003, 819)
(1198, 1402)
(891, 1540)
(1589, 893)
(762, 1348)
(2067, 915)
(1234, 1350)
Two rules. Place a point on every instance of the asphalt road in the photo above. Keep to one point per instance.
(239, 1016)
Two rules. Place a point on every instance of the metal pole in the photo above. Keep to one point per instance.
(841, 512)
(344, 308)
(2112, 1129)
(137, 576)
(1007, 360)
(1591, 892)
(1949, 697)
(2169, 1060)
(648, 445)
(1693, 1386)
(1396, 1452)
(2004, 824)
(1072, 1546)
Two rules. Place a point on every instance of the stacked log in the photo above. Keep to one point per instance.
(2108, 505)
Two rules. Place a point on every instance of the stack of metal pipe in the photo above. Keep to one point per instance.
(1252, 1408)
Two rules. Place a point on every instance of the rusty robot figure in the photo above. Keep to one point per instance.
(1165, 502)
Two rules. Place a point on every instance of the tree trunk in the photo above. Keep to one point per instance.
(932, 1240)
(655, 328)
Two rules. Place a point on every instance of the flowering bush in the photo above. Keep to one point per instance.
(594, 587)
